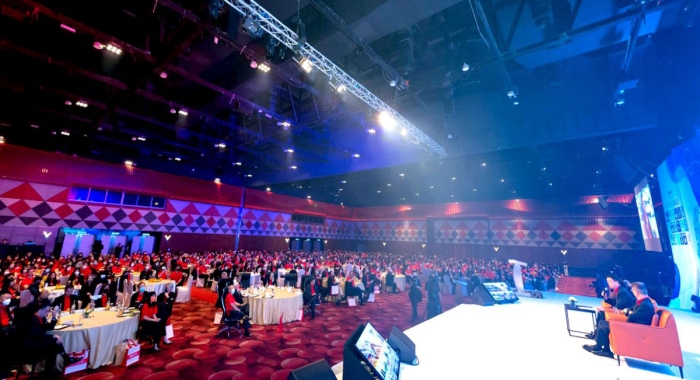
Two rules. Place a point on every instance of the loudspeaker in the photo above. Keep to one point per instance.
(482, 297)
(406, 347)
(319, 370)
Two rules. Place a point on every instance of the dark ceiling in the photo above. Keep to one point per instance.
(565, 63)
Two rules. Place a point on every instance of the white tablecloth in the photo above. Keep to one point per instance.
(159, 287)
(101, 333)
(399, 280)
(267, 311)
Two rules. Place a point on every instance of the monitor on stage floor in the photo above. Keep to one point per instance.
(370, 350)
(500, 292)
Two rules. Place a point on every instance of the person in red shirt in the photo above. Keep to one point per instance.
(176, 276)
(163, 275)
(139, 298)
(233, 309)
(152, 326)
(5, 315)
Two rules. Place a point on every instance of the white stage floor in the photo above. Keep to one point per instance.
(529, 340)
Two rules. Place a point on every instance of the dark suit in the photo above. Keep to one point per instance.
(37, 341)
(310, 299)
(134, 299)
(60, 301)
(621, 299)
(389, 283)
(642, 313)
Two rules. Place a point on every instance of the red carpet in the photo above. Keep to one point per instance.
(197, 354)
(576, 285)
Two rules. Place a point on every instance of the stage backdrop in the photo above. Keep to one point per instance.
(679, 178)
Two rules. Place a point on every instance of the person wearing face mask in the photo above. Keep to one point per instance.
(147, 273)
(138, 298)
(152, 325)
(77, 278)
(6, 318)
(88, 290)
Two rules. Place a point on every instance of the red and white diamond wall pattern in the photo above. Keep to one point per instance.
(596, 233)
(395, 230)
(38, 205)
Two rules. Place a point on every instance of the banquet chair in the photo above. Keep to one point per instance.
(290, 279)
(228, 323)
(183, 293)
(245, 280)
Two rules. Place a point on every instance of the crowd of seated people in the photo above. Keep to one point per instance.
(25, 296)
(25, 278)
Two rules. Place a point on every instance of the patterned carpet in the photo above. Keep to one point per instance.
(197, 354)
(576, 285)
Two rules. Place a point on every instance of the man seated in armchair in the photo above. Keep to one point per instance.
(641, 313)
(620, 298)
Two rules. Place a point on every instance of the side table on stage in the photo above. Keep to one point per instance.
(582, 309)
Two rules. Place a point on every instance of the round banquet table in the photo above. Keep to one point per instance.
(101, 333)
(267, 311)
(399, 280)
(159, 287)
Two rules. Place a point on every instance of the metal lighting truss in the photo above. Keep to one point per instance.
(287, 37)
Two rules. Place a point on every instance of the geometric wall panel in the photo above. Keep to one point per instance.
(38, 205)
(595, 233)
(395, 230)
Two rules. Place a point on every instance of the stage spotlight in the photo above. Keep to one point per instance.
(220, 145)
(65, 133)
(178, 159)
(182, 112)
(68, 103)
(341, 88)
(114, 49)
(511, 94)
(306, 65)
(356, 155)
(268, 189)
(238, 163)
(308, 197)
(173, 111)
(98, 45)
(141, 138)
(289, 150)
(264, 67)
(465, 67)
(2, 140)
(392, 83)
(129, 163)
(217, 181)
(371, 131)
(81, 103)
(253, 64)
(404, 132)
(293, 167)
(163, 74)
(252, 27)
(387, 120)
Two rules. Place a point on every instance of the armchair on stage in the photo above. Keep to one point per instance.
(656, 343)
